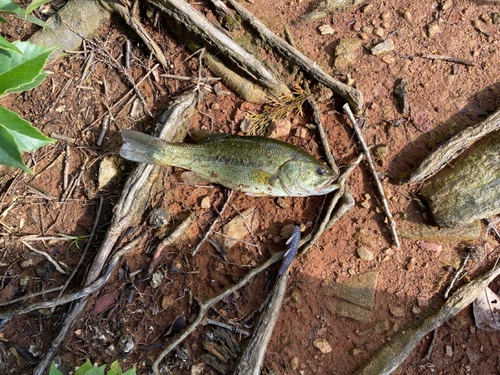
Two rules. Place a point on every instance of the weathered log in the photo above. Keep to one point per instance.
(470, 189)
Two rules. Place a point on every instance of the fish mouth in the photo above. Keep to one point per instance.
(328, 182)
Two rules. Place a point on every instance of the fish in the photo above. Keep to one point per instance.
(257, 166)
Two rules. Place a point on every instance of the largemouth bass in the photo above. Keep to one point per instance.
(254, 165)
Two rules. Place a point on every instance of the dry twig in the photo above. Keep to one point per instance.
(44, 254)
(380, 189)
(449, 59)
(213, 224)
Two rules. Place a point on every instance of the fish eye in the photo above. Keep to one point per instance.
(320, 171)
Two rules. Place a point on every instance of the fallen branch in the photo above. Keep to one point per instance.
(390, 356)
(449, 150)
(380, 189)
(171, 126)
(352, 95)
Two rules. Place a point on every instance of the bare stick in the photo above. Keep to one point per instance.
(28, 296)
(182, 78)
(447, 291)
(449, 59)
(174, 237)
(89, 289)
(380, 189)
(66, 167)
(352, 95)
(233, 329)
(42, 253)
(205, 306)
(104, 129)
(321, 131)
(213, 224)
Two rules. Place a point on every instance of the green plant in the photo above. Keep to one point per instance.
(21, 69)
(88, 369)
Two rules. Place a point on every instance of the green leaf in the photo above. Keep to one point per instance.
(3, 20)
(115, 369)
(27, 138)
(96, 370)
(39, 79)
(53, 370)
(85, 367)
(17, 70)
(130, 372)
(7, 6)
(5, 44)
(35, 4)
(9, 153)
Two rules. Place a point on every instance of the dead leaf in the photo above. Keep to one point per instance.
(103, 303)
(487, 311)
(420, 121)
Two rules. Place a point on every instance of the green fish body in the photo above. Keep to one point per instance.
(254, 165)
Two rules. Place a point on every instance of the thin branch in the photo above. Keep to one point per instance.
(447, 291)
(449, 59)
(213, 224)
(233, 329)
(42, 253)
(380, 189)
(32, 295)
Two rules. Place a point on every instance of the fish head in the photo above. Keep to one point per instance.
(305, 177)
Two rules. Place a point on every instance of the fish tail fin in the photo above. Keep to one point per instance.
(142, 148)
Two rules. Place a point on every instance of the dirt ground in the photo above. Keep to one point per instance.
(444, 99)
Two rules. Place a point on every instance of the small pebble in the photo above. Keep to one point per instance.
(364, 253)
(322, 345)
(449, 351)
(386, 16)
(158, 217)
(294, 363)
(205, 202)
(485, 18)
(384, 47)
(378, 32)
(447, 5)
(396, 311)
(495, 18)
(282, 202)
(326, 30)
(432, 29)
